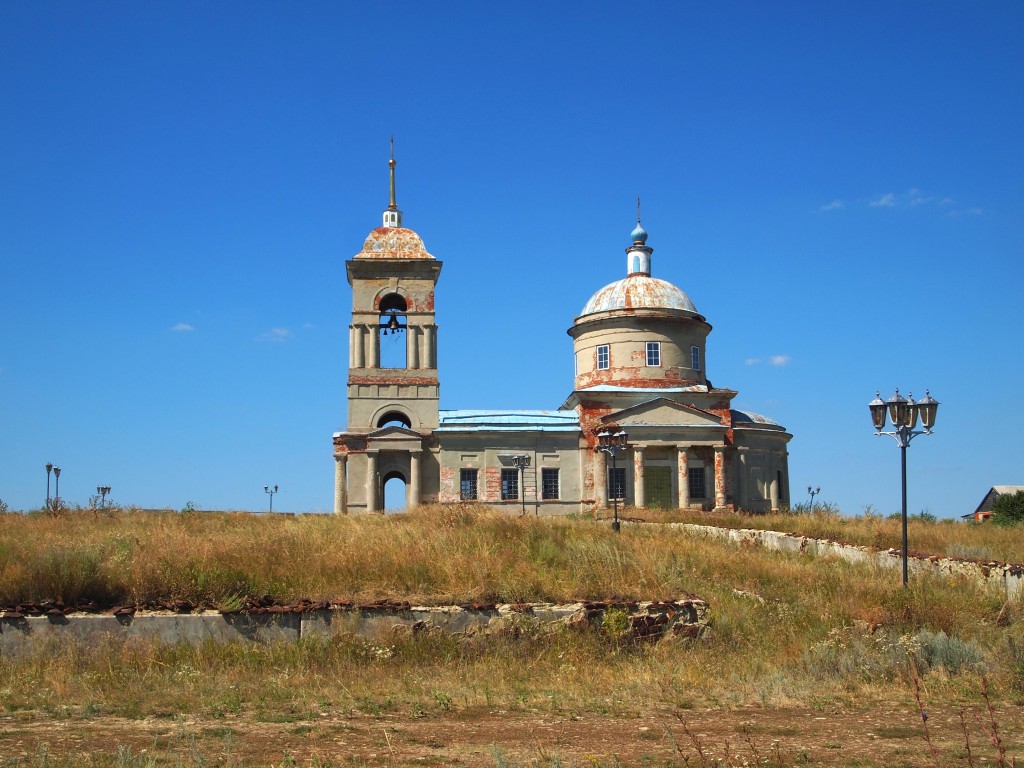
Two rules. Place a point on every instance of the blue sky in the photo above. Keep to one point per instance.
(836, 186)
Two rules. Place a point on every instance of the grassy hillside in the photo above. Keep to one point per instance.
(784, 627)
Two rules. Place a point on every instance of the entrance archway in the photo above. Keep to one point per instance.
(394, 490)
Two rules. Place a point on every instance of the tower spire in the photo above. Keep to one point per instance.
(392, 216)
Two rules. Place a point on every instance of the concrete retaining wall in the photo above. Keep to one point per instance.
(1009, 579)
(20, 635)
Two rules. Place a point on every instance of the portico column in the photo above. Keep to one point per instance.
(684, 478)
(719, 475)
(371, 481)
(413, 497)
(340, 494)
(773, 493)
(600, 479)
(638, 477)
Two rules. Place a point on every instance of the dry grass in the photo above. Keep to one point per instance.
(786, 630)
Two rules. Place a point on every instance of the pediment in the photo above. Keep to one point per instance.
(394, 438)
(663, 412)
(394, 431)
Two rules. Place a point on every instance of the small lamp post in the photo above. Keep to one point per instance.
(270, 491)
(521, 461)
(814, 492)
(904, 414)
(56, 492)
(103, 490)
(49, 469)
(611, 443)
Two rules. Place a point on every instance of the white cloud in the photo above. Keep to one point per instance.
(753, 360)
(888, 200)
(182, 327)
(835, 204)
(779, 359)
(274, 334)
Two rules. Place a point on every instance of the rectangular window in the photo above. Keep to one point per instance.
(695, 358)
(653, 354)
(602, 357)
(549, 483)
(617, 483)
(509, 484)
(467, 484)
(698, 488)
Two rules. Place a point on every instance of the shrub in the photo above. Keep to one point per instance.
(1009, 509)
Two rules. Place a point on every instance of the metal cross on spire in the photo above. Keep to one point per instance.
(393, 205)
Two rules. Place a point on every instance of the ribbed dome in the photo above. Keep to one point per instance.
(638, 292)
(393, 243)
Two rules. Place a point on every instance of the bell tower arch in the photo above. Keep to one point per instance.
(393, 279)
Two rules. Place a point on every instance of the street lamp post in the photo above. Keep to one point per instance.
(103, 490)
(611, 443)
(814, 492)
(270, 492)
(56, 492)
(904, 414)
(49, 469)
(521, 461)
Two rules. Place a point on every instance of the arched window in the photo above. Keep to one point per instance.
(394, 419)
(392, 331)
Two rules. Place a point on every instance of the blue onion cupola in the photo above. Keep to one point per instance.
(638, 255)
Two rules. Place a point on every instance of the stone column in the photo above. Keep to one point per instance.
(359, 346)
(371, 481)
(429, 346)
(374, 344)
(720, 476)
(600, 464)
(412, 498)
(684, 478)
(638, 477)
(340, 491)
(412, 349)
(773, 491)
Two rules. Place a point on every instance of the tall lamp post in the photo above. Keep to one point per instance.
(49, 469)
(103, 490)
(270, 491)
(56, 492)
(521, 461)
(903, 414)
(611, 443)
(814, 492)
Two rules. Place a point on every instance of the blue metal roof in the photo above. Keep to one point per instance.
(508, 420)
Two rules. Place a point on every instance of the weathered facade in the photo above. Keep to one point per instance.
(639, 347)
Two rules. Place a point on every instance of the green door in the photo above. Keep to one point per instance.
(658, 486)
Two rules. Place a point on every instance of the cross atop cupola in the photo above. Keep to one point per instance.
(638, 255)
(392, 216)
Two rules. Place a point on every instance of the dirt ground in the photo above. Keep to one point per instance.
(876, 736)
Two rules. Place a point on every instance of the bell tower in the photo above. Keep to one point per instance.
(393, 388)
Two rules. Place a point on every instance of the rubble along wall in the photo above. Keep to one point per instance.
(20, 635)
(1004, 577)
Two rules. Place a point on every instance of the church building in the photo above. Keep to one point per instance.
(641, 368)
